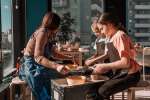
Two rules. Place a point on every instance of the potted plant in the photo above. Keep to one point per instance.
(66, 29)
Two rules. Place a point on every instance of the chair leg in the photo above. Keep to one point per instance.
(32, 97)
(23, 90)
(112, 97)
(11, 91)
(131, 94)
(123, 96)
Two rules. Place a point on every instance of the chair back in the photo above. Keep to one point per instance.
(146, 60)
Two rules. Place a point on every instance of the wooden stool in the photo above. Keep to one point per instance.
(16, 81)
(112, 97)
(140, 86)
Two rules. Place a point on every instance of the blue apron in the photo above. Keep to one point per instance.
(38, 77)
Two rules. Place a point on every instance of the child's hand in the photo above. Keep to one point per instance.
(88, 62)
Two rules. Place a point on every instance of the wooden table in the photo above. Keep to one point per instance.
(62, 91)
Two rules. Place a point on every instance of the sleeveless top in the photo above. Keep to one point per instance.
(48, 46)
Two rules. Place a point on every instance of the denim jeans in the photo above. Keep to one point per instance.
(38, 77)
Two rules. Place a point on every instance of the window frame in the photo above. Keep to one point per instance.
(18, 30)
(1, 71)
(9, 69)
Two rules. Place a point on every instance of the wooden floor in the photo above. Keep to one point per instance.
(140, 95)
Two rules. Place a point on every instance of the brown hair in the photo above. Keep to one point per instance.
(51, 21)
(112, 18)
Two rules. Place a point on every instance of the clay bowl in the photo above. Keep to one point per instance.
(76, 80)
(98, 77)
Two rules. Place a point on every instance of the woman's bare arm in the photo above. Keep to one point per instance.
(41, 40)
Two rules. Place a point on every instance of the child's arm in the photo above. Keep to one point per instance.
(98, 59)
(92, 57)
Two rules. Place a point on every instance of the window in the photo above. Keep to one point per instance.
(12, 26)
(7, 36)
(82, 12)
(59, 3)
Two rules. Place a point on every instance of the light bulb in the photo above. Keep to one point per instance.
(17, 6)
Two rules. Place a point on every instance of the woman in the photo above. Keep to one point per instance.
(36, 68)
(126, 68)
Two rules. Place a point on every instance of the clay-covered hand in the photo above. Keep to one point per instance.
(63, 69)
(82, 71)
(100, 69)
